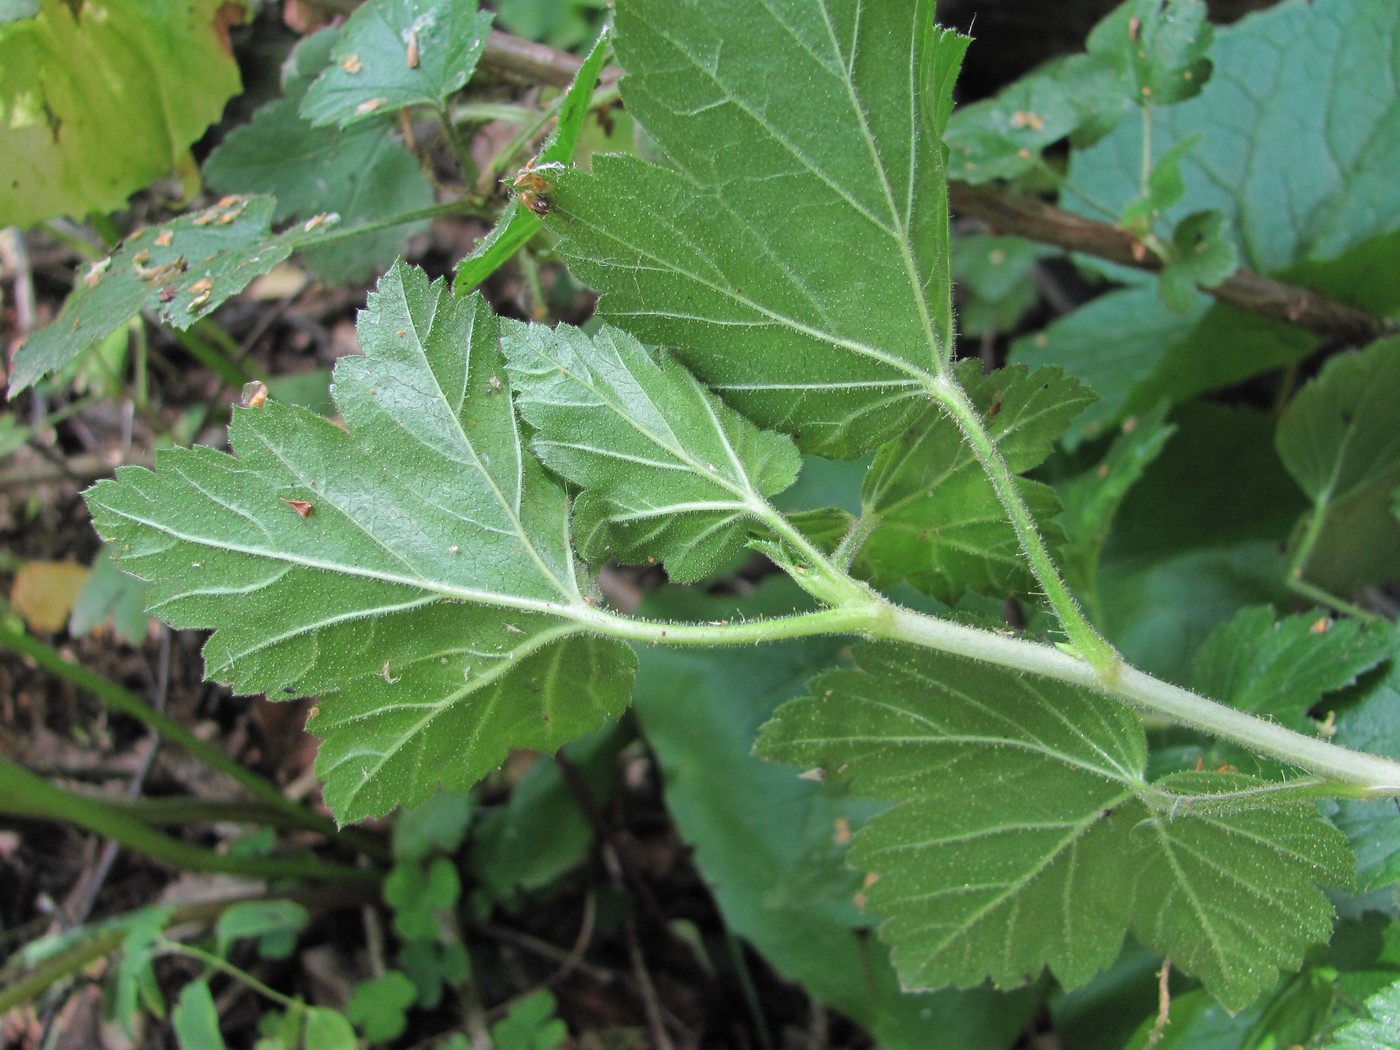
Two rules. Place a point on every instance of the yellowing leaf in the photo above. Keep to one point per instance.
(100, 97)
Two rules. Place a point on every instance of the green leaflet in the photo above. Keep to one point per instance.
(803, 277)
(670, 473)
(1024, 834)
(360, 173)
(180, 270)
(99, 99)
(1379, 1031)
(398, 53)
(429, 589)
(937, 520)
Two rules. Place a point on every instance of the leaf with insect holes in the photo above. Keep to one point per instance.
(804, 276)
(429, 591)
(180, 270)
(398, 53)
(936, 519)
(359, 174)
(1024, 833)
(669, 471)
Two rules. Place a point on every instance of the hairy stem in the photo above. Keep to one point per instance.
(1355, 774)
(1080, 632)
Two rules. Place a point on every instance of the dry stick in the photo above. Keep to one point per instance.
(1035, 220)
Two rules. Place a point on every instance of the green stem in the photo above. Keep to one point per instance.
(325, 235)
(25, 794)
(209, 959)
(1361, 775)
(212, 347)
(1080, 632)
(128, 703)
(106, 937)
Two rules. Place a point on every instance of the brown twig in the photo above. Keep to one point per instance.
(1034, 219)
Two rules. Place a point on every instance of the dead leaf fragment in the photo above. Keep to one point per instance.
(44, 593)
(299, 505)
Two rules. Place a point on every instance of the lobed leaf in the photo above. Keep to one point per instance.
(1283, 668)
(398, 53)
(936, 519)
(773, 847)
(744, 262)
(1378, 1031)
(669, 472)
(416, 570)
(1025, 835)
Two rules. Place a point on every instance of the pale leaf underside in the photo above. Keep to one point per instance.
(417, 570)
(805, 277)
(670, 473)
(1025, 835)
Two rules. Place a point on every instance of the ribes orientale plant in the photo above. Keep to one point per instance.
(777, 296)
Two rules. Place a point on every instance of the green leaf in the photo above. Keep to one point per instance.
(777, 868)
(1379, 1031)
(517, 225)
(398, 53)
(741, 260)
(180, 271)
(1025, 835)
(1092, 499)
(530, 1024)
(328, 1030)
(1081, 97)
(669, 472)
(1339, 441)
(936, 519)
(257, 919)
(379, 1007)
(429, 590)
(417, 895)
(1160, 45)
(359, 174)
(111, 597)
(1003, 137)
(439, 824)
(196, 1019)
(1133, 351)
(1373, 828)
(540, 831)
(995, 283)
(99, 99)
(1283, 668)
